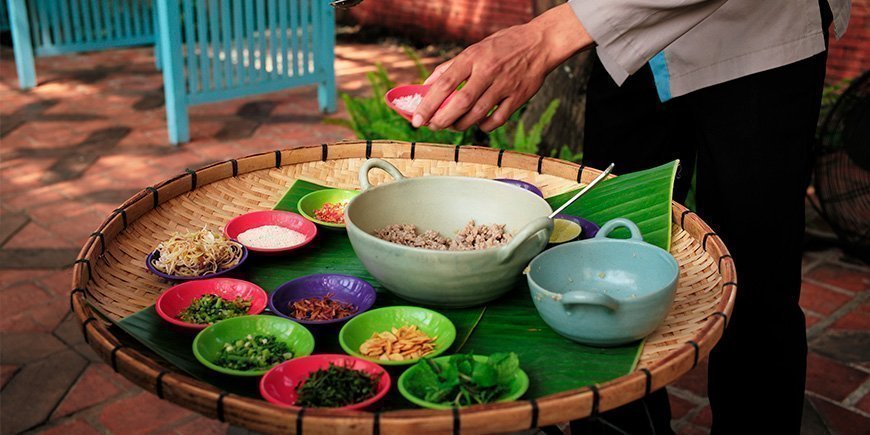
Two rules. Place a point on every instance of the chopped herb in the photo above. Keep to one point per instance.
(212, 308)
(462, 381)
(253, 353)
(336, 386)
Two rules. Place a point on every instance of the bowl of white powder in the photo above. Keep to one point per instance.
(271, 231)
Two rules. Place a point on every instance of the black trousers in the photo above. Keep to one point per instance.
(751, 141)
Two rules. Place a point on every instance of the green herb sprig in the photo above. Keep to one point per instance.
(336, 386)
(211, 308)
(253, 353)
(462, 381)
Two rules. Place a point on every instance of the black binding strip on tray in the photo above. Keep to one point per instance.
(580, 173)
(192, 178)
(376, 426)
(456, 424)
(73, 293)
(99, 234)
(154, 195)
(277, 158)
(456, 153)
(220, 406)
(722, 315)
(87, 263)
(299, 416)
(500, 155)
(158, 387)
(368, 149)
(235, 164)
(123, 215)
(85, 328)
(697, 351)
(683, 218)
(596, 397)
(324, 152)
(724, 257)
(113, 356)
(413, 149)
(534, 423)
(704, 241)
(540, 163)
(648, 388)
(729, 283)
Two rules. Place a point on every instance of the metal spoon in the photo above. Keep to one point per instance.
(582, 192)
(344, 4)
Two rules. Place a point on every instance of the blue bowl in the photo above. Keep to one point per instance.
(602, 291)
(344, 288)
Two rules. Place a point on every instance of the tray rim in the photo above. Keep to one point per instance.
(258, 415)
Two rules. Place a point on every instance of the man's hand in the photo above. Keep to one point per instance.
(502, 71)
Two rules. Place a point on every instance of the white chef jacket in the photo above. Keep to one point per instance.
(692, 44)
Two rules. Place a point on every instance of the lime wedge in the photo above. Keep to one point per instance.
(565, 231)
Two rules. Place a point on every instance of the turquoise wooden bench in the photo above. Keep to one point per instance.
(214, 50)
(54, 27)
(209, 50)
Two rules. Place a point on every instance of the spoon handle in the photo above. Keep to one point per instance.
(585, 189)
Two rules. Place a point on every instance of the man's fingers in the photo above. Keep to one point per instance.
(479, 111)
(439, 70)
(439, 90)
(461, 102)
(500, 116)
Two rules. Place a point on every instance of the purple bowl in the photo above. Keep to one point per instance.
(522, 185)
(344, 288)
(189, 278)
(590, 229)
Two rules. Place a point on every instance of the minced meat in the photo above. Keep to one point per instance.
(470, 238)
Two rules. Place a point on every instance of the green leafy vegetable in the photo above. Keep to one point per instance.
(336, 386)
(253, 353)
(211, 308)
(462, 380)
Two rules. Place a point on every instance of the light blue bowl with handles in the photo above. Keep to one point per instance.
(604, 291)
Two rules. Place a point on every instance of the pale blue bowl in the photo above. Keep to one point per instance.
(602, 291)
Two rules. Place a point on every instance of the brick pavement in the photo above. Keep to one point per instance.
(92, 134)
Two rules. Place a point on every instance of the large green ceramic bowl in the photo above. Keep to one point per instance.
(361, 328)
(209, 342)
(445, 204)
(517, 387)
(314, 200)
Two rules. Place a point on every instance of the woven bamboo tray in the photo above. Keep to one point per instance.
(109, 282)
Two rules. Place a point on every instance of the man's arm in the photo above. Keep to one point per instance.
(507, 68)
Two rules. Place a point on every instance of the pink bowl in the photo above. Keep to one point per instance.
(286, 219)
(278, 385)
(175, 299)
(406, 90)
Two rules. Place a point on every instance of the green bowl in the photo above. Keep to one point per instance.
(361, 328)
(209, 341)
(314, 200)
(518, 385)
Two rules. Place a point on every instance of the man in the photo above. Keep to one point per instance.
(733, 89)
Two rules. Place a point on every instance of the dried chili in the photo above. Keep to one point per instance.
(325, 308)
(332, 212)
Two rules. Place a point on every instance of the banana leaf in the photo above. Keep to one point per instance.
(553, 363)
(644, 197)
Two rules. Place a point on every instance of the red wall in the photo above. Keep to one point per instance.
(439, 20)
(850, 56)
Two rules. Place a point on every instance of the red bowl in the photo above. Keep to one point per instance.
(175, 299)
(404, 91)
(278, 385)
(286, 219)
